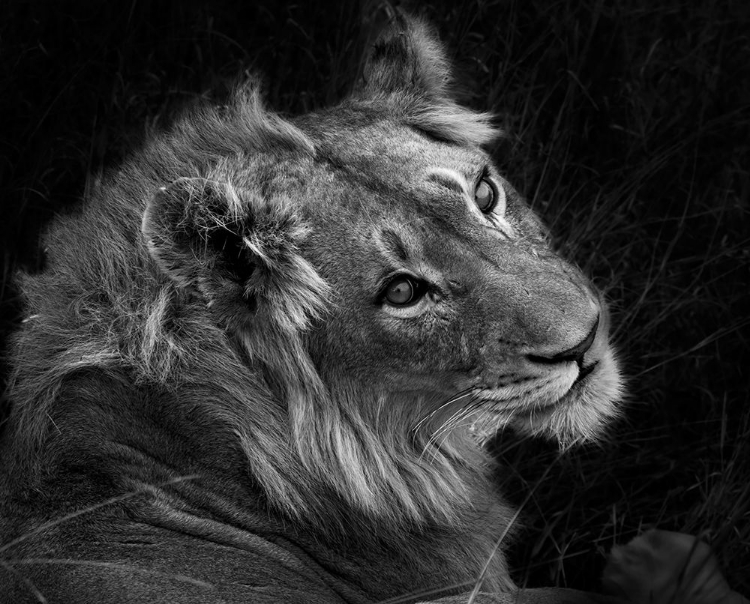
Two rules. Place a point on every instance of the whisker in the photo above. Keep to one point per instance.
(459, 414)
(445, 427)
(452, 423)
(461, 422)
(450, 401)
(432, 440)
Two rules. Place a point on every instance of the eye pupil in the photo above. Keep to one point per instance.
(400, 292)
(484, 196)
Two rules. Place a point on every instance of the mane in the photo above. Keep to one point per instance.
(114, 312)
(112, 307)
(327, 455)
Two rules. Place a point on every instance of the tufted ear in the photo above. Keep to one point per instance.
(408, 57)
(238, 250)
(194, 227)
(407, 74)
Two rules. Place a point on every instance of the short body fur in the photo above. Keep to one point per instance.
(215, 400)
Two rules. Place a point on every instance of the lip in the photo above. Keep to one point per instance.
(546, 407)
(582, 378)
(584, 373)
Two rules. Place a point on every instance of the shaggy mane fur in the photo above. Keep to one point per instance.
(116, 313)
(116, 292)
(190, 287)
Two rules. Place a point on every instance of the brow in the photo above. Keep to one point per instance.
(445, 179)
(394, 244)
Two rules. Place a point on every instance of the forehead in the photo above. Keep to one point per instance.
(380, 166)
(390, 150)
(383, 198)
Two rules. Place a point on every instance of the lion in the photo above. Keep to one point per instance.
(265, 357)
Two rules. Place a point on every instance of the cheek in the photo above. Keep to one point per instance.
(459, 345)
(366, 343)
(427, 344)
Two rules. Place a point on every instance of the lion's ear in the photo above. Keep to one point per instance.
(408, 73)
(239, 250)
(195, 231)
(408, 58)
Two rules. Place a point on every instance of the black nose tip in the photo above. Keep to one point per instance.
(574, 354)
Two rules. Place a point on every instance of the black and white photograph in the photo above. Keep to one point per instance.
(375, 302)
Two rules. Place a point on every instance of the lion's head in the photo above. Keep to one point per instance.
(356, 297)
(402, 294)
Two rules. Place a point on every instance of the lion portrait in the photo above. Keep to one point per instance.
(266, 356)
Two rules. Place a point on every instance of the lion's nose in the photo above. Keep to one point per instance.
(573, 354)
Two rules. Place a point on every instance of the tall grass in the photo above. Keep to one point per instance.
(628, 128)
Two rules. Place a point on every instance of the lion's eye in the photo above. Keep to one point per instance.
(403, 291)
(486, 196)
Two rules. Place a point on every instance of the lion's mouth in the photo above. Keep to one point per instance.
(573, 392)
(570, 403)
(535, 409)
(535, 403)
(584, 373)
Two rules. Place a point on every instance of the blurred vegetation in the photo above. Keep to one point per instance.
(628, 128)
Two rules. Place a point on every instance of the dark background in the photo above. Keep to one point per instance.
(628, 129)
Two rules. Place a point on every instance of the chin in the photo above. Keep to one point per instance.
(583, 413)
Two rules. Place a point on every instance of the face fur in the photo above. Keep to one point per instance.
(444, 287)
